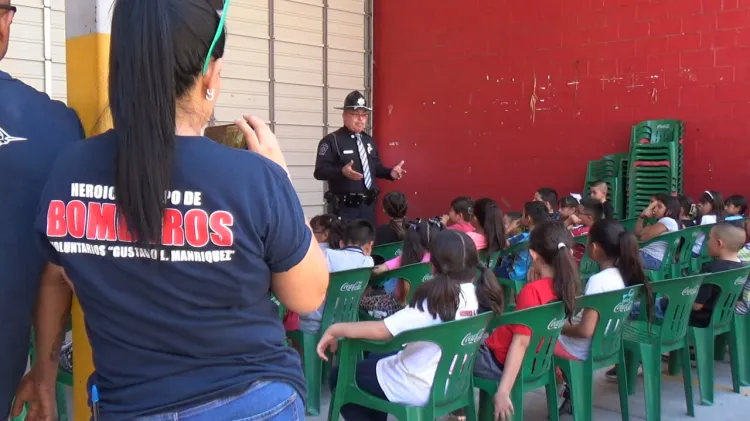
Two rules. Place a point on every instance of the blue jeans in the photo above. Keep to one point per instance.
(262, 401)
(650, 262)
(367, 380)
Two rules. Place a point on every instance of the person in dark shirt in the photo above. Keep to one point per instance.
(599, 190)
(348, 160)
(395, 206)
(33, 131)
(176, 244)
(724, 243)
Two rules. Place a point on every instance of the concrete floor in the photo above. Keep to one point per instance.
(728, 406)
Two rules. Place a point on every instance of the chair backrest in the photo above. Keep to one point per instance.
(546, 323)
(345, 290)
(613, 308)
(681, 293)
(685, 251)
(490, 260)
(388, 251)
(731, 283)
(415, 274)
(673, 240)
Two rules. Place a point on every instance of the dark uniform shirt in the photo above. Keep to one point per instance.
(336, 150)
(33, 130)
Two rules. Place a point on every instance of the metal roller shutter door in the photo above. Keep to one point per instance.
(37, 46)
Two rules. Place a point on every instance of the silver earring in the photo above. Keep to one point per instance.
(210, 94)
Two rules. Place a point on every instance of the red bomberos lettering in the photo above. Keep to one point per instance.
(98, 221)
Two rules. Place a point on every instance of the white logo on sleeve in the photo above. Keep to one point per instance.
(5, 138)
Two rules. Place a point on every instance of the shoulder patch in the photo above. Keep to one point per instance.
(323, 149)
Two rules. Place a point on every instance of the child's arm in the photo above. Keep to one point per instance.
(585, 329)
(379, 269)
(375, 331)
(511, 368)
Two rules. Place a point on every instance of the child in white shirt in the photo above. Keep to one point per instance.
(711, 206)
(406, 377)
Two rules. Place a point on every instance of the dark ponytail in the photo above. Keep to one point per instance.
(455, 259)
(621, 246)
(554, 243)
(336, 233)
(490, 217)
(157, 51)
(396, 206)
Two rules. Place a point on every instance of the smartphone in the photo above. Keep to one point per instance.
(228, 135)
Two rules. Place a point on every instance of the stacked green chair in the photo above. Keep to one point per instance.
(655, 161)
(345, 291)
(538, 368)
(606, 349)
(645, 341)
(612, 169)
(388, 251)
(452, 388)
(731, 283)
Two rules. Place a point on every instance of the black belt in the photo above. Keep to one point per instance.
(352, 200)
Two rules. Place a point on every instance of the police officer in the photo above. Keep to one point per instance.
(348, 160)
(33, 129)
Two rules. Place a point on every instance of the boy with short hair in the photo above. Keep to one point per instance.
(598, 191)
(724, 243)
(355, 251)
(548, 196)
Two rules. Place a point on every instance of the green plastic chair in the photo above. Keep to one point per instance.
(645, 342)
(415, 274)
(703, 258)
(731, 283)
(606, 349)
(345, 291)
(490, 260)
(452, 388)
(388, 251)
(673, 240)
(538, 369)
(683, 265)
(740, 340)
(21, 416)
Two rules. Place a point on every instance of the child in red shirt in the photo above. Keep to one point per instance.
(501, 356)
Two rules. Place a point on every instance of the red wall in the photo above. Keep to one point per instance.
(454, 81)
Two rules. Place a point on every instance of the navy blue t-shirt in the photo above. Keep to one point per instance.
(33, 130)
(192, 320)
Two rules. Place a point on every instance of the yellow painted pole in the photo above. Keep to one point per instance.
(87, 53)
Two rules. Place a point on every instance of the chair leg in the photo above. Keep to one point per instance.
(313, 367)
(687, 380)
(735, 359)
(551, 388)
(632, 360)
(62, 405)
(471, 408)
(720, 346)
(651, 359)
(741, 330)
(581, 384)
(486, 406)
(622, 388)
(703, 339)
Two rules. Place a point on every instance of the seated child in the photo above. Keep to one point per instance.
(501, 356)
(687, 210)
(406, 377)
(589, 211)
(568, 206)
(514, 229)
(517, 267)
(724, 243)
(665, 209)
(598, 192)
(711, 211)
(548, 196)
(395, 206)
(459, 215)
(616, 251)
(419, 237)
(354, 253)
(735, 207)
(321, 226)
(489, 230)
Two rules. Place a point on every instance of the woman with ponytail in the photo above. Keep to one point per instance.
(175, 243)
(406, 377)
(395, 206)
(501, 356)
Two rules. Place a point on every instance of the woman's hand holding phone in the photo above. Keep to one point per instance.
(261, 140)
